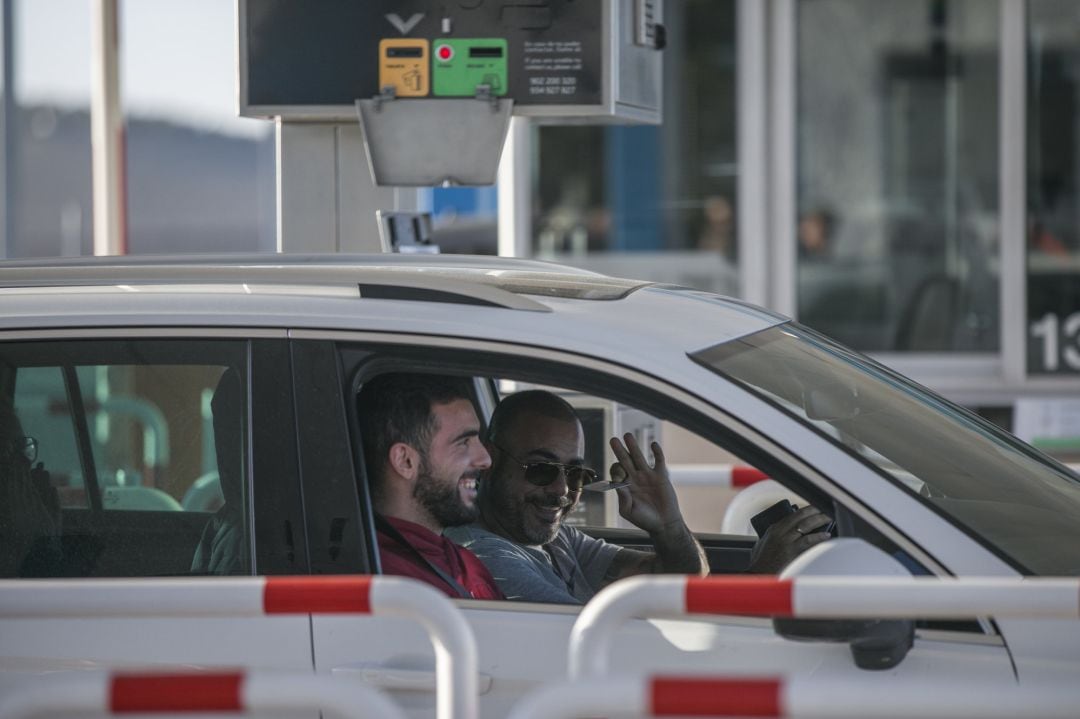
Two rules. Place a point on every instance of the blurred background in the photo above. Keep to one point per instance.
(865, 197)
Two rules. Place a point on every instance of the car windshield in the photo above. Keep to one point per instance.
(1022, 505)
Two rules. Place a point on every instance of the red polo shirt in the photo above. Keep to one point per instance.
(456, 561)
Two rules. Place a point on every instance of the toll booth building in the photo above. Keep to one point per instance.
(903, 175)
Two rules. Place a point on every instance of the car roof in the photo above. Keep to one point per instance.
(306, 291)
(514, 275)
(287, 263)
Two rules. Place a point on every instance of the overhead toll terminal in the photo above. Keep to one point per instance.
(559, 59)
(431, 87)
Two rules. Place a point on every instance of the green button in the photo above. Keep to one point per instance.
(459, 66)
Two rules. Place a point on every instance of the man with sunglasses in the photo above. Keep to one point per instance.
(423, 452)
(536, 478)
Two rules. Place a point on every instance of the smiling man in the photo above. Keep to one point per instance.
(424, 457)
(536, 478)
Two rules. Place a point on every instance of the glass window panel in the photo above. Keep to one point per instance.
(1053, 187)
(158, 426)
(897, 176)
(655, 203)
(1013, 500)
(46, 416)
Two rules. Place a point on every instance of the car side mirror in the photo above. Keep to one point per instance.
(875, 643)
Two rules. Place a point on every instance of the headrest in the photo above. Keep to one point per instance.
(227, 407)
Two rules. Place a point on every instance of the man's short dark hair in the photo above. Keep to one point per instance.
(396, 407)
(533, 401)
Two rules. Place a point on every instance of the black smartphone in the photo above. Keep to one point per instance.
(766, 518)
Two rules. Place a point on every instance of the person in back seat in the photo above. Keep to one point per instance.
(221, 546)
(423, 453)
(29, 506)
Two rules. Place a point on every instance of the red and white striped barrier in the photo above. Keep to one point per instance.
(817, 597)
(802, 697)
(222, 692)
(734, 476)
(455, 645)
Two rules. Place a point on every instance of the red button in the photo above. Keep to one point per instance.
(444, 52)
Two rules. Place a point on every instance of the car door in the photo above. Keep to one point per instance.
(522, 644)
(158, 454)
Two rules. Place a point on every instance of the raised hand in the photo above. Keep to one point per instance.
(648, 501)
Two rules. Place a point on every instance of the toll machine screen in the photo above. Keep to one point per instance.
(300, 53)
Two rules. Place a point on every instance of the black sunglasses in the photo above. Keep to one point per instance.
(541, 473)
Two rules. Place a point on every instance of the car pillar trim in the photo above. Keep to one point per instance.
(222, 692)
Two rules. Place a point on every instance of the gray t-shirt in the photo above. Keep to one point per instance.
(569, 570)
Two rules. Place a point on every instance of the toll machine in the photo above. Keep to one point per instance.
(373, 98)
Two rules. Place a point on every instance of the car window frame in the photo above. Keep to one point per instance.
(829, 346)
(366, 354)
(615, 381)
(273, 502)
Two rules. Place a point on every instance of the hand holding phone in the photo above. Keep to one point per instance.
(766, 518)
(773, 514)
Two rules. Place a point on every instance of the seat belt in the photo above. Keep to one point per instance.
(386, 528)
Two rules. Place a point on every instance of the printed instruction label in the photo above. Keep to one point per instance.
(550, 63)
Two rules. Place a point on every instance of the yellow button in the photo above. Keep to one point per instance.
(404, 65)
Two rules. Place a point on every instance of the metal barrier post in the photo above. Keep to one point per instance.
(817, 597)
(455, 646)
(225, 692)
(803, 697)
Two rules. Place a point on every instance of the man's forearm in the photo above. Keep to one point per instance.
(677, 552)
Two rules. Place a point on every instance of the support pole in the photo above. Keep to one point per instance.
(326, 199)
(515, 191)
(1012, 189)
(10, 163)
(753, 118)
(107, 132)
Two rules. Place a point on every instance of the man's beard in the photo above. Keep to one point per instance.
(442, 500)
(513, 511)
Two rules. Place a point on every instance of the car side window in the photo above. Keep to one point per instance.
(132, 458)
(723, 477)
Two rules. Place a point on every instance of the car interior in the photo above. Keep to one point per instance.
(689, 453)
(122, 433)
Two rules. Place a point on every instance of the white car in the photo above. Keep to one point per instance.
(112, 367)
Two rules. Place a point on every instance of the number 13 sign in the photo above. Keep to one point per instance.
(1054, 345)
